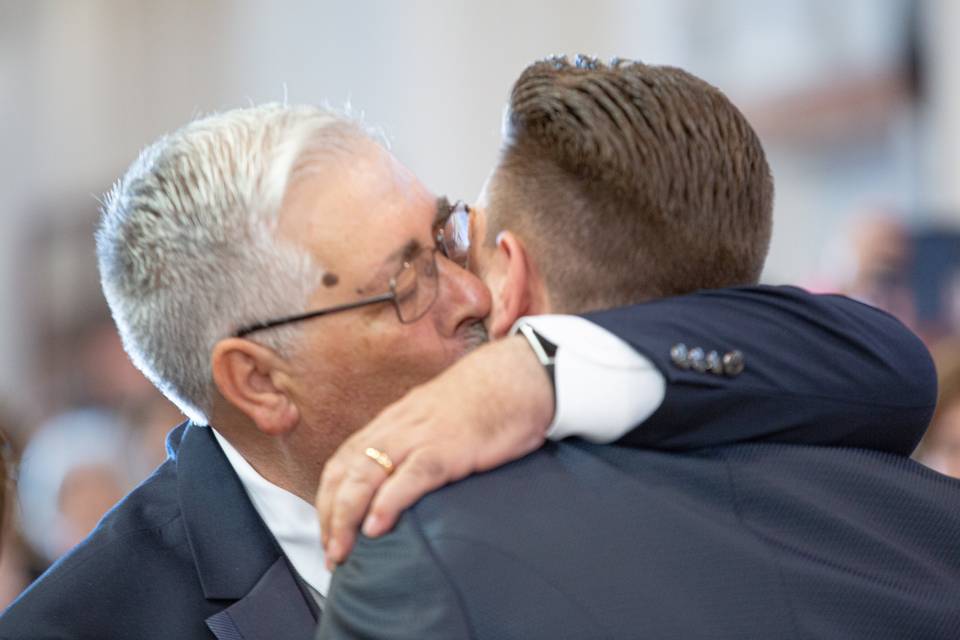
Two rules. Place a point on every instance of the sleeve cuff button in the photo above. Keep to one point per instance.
(680, 356)
(733, 363)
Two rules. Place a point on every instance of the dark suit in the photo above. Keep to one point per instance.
(184, 555)
(186, 552)
(743, 541)
(594, 542)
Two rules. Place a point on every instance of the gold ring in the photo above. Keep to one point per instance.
(380, 458)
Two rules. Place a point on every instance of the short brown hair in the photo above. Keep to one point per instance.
(630, 182)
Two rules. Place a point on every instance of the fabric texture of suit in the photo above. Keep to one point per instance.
(185, 555)
(589, 541)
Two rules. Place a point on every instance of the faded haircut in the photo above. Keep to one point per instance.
(630, 182)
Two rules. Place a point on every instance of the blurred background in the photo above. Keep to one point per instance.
(857, 102)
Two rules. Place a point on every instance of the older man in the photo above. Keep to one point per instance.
(282, 278)
(648, 181)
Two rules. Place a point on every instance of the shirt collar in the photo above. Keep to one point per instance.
(291, 520)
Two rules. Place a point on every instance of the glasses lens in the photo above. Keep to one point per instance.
(415, 286)
(456, 234)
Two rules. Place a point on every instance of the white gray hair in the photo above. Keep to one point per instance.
(188, 248)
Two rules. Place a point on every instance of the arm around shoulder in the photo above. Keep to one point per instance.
(813, 369)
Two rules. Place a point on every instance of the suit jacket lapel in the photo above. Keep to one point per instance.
(236, 556)
(277, 594)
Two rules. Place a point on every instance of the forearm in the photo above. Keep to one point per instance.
(816, 370)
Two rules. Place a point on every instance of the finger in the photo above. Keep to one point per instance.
(330, 479)
(349, 507)
(425, 470)
(350, 462)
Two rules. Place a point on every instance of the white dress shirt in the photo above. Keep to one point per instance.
(603, 389)
(603, 386)
(291, 520)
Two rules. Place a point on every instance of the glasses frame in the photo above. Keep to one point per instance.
(389, 296)
(456, 253)
(452, 234)
(270, 324)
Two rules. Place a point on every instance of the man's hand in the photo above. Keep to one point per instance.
(492, 407)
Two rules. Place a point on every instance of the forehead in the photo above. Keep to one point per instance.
(352, 211)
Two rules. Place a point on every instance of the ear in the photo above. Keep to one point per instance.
(253, 379)
(509, 279)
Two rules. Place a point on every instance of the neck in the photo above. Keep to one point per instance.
(281, 466)
(281, 460)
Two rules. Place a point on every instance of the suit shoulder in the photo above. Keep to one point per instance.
(144, 512)
(558, 483)
(416, 579)
(144, 530)
(394, 582)
(502, 488)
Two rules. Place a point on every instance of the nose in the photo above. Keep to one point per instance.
(462, 297)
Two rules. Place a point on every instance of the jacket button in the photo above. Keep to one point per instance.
(698, 359)
(680, 356)
(714, 363)
(733, 363)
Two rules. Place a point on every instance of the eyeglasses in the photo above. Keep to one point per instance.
(452, 234)
(413, 289)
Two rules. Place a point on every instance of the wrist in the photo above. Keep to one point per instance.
(531, 380)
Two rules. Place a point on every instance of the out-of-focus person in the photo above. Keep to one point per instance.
(881, 246)
(870, 260)
(940, 447)
(74, 468)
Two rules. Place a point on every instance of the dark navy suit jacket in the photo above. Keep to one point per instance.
(186, 556)
(592, 542)
(818, 370)
(741, 541)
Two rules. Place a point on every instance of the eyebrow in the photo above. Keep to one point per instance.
(411, 246)
(443, 212)
(407, 249)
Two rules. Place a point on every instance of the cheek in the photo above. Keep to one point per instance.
(354, 375)
(384, 362)
(412, 355)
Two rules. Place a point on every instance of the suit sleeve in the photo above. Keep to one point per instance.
(392, 588)
(817, 369)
